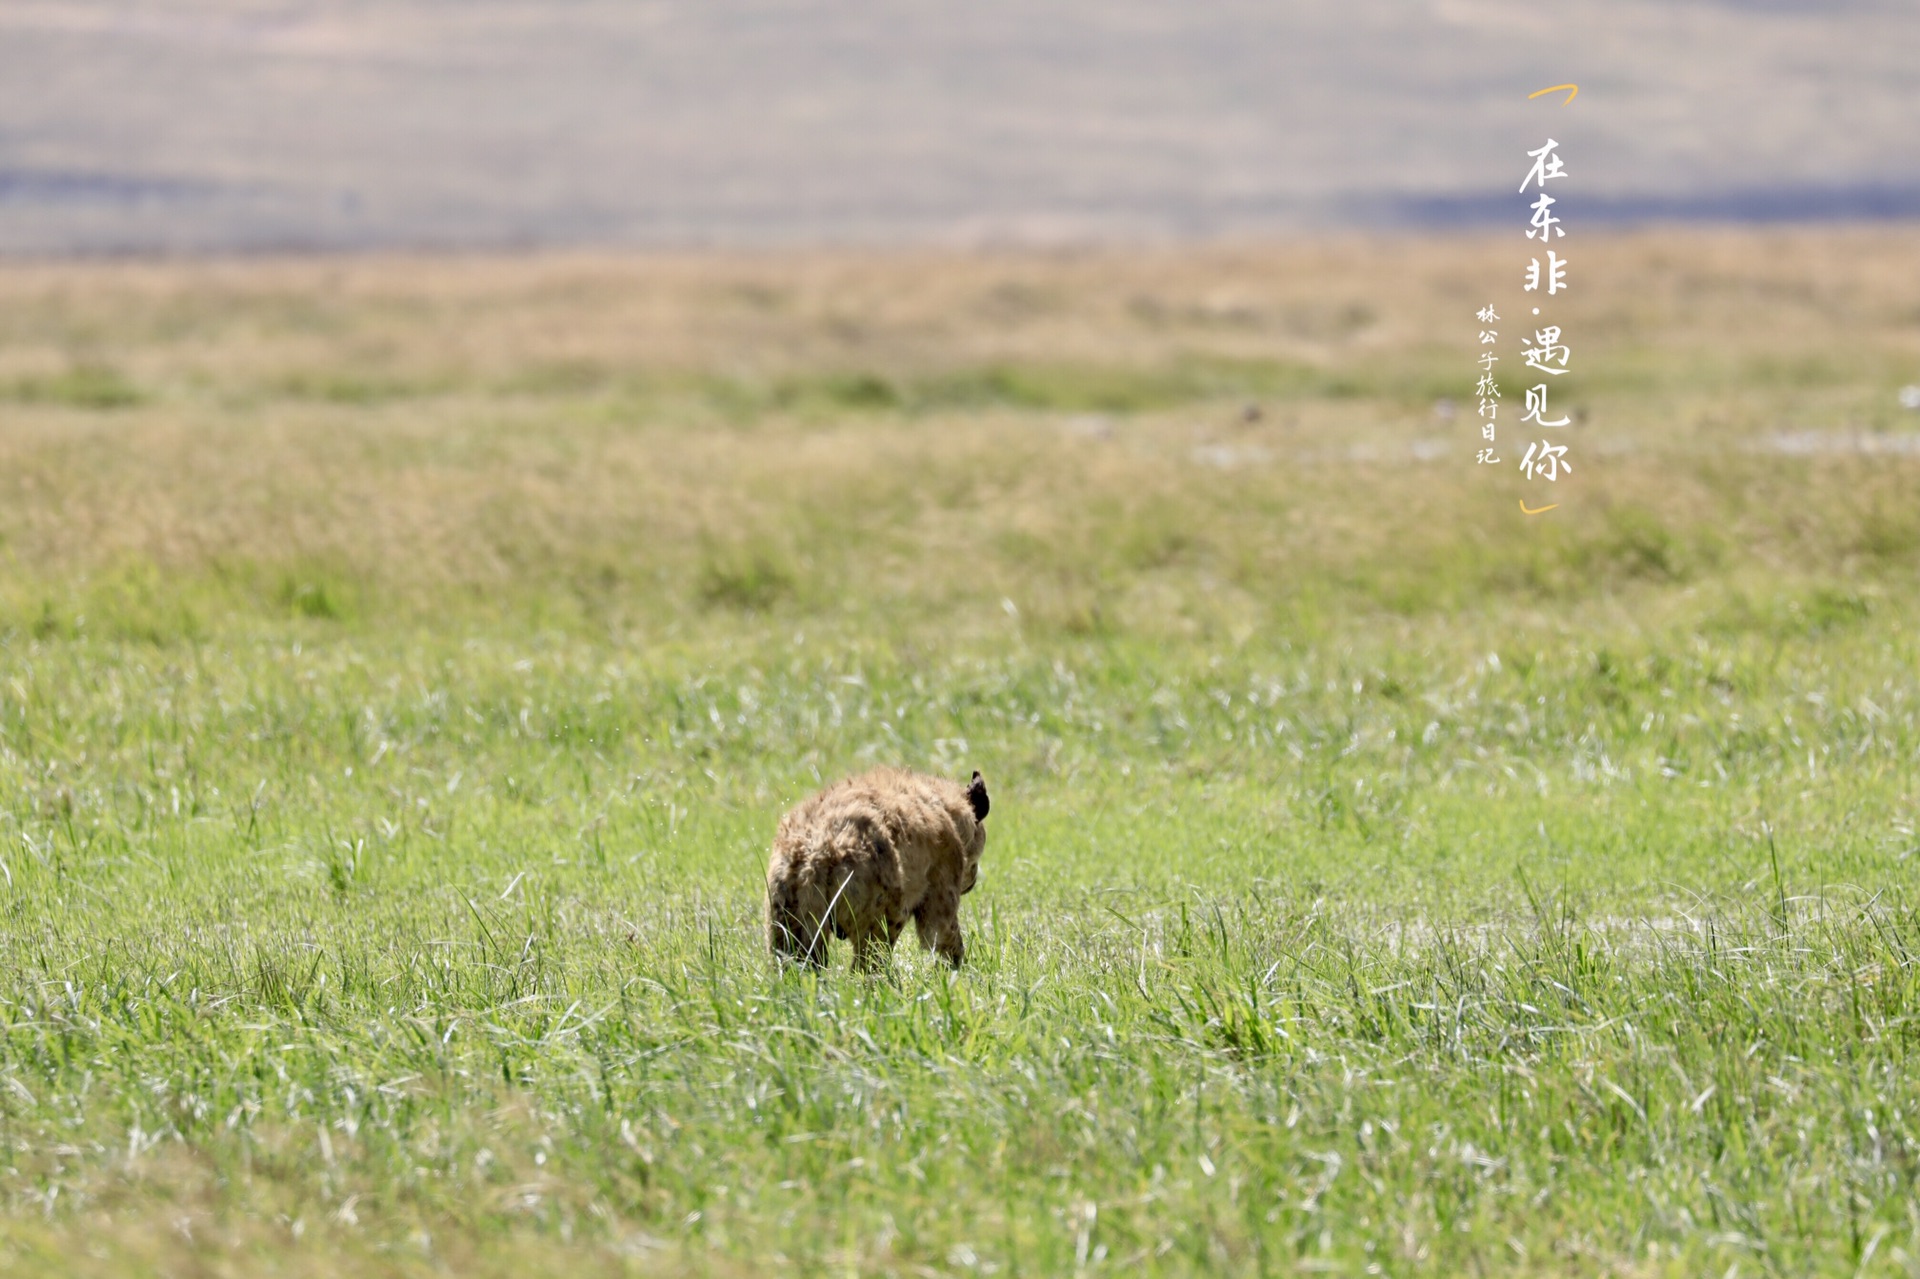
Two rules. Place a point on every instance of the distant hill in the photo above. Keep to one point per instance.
(216, 126)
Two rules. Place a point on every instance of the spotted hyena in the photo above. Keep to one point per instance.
(865, 855)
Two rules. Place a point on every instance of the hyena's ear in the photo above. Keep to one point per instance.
(977, 796)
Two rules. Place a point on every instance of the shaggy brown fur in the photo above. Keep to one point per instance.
(865, 855)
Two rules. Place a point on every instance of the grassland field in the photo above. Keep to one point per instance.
(403, 663)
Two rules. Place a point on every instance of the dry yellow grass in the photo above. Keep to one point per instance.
(251, 325)
(621, 439)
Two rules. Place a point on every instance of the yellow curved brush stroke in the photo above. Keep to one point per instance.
(1572, 91)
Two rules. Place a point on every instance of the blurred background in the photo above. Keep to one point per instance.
(251, 246)
(216, 125)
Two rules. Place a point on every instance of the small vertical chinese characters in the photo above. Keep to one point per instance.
(1545, 354)
(1486, 390)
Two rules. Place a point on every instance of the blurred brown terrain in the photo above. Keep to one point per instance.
(256, 125)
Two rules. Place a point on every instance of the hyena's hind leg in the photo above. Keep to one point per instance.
(791, 934)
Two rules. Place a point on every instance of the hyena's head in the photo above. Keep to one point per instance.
(977, 800)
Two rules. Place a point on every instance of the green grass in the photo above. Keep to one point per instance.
(84, 385)
(1376, 882)
(1577, 957)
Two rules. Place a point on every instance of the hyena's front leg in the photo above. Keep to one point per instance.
(938, 924)
(870, 949)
